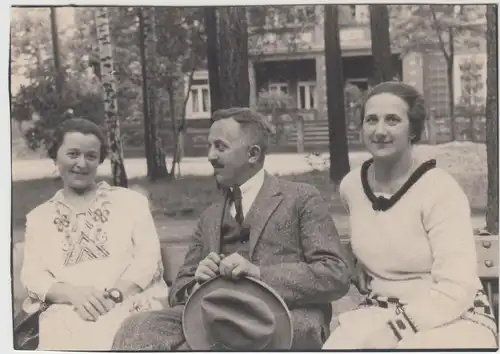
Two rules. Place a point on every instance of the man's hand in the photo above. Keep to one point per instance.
(90, 303)
(236, 266)
(361, 279)
(208, 268)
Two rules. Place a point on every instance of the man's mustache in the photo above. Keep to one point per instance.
(217, 165)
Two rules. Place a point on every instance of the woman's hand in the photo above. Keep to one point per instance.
(89, 302)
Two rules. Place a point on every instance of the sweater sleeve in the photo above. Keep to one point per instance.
(447, 221)
(343, 192)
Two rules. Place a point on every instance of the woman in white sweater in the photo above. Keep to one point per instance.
(92, 253)
(412, 236)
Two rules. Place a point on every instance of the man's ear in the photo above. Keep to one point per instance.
(254, 153)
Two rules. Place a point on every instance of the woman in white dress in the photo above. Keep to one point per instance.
(412, 236)
(92, 253)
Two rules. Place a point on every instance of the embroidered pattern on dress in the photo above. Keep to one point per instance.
(86, 239)
(480, 311)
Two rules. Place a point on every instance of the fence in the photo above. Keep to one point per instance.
(299, 131)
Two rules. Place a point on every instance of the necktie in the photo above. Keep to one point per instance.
(236, 194)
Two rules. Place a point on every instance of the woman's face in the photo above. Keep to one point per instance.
(77, 160)
(386, 126)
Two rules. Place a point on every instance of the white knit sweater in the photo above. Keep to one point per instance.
(421, 250)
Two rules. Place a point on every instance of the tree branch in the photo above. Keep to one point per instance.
(438, 33)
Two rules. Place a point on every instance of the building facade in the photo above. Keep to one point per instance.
(292, 64)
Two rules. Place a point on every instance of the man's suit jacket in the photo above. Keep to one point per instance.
(294, 242)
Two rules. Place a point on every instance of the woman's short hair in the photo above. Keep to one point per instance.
(416, 105)
(251, 121)
(76, 125)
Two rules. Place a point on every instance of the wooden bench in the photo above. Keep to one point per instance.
(173, 256)
(486, 247)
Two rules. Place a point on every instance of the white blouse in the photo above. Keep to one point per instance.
(115, 239)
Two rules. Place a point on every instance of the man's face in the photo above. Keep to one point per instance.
(228, 151)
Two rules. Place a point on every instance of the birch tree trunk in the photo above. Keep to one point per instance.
(110, 102)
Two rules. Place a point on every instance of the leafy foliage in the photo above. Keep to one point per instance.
(180, 46)
(426, 28)
(280, 28)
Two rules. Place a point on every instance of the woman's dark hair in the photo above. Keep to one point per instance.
(416, 105)
(76, 125)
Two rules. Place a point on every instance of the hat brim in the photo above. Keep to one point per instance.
(196, 334)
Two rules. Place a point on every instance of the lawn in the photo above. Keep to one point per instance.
(187, 197)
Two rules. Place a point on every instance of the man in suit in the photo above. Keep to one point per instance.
(274, 230)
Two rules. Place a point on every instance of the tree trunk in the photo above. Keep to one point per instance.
(57, 55)
(339, 156)
(145, 103)
(380, 43)
(492, 119)
(159, 165)
(451, 95)
(110, 102)
(233, 57)
(212, 57)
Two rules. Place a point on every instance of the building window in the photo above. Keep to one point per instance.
(279, 16)
(306, 95)
(437, 86)
(470, 79)
(198, 105)
(354, 14)
(278, 87)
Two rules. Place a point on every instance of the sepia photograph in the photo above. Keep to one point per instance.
(307, 177)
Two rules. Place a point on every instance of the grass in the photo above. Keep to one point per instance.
(185, 198)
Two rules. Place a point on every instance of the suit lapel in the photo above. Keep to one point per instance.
(215, 224)
(266, 202)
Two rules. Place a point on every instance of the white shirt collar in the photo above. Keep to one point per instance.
(250, 189)
(254, 183)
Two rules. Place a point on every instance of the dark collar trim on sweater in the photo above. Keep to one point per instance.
(381, 203)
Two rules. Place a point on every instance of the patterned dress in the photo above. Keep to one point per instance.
(115, 239)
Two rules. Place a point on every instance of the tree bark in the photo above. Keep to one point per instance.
(233, 57)
(450, 62)
(380, 43)
(159, 167)
(145, 103)
(57, 55)
(339, 156)
(492, 119)
(108, 81)
(212, 57)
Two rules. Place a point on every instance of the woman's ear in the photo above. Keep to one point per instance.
(254, 153)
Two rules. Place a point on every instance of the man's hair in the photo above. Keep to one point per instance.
(254, 124)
